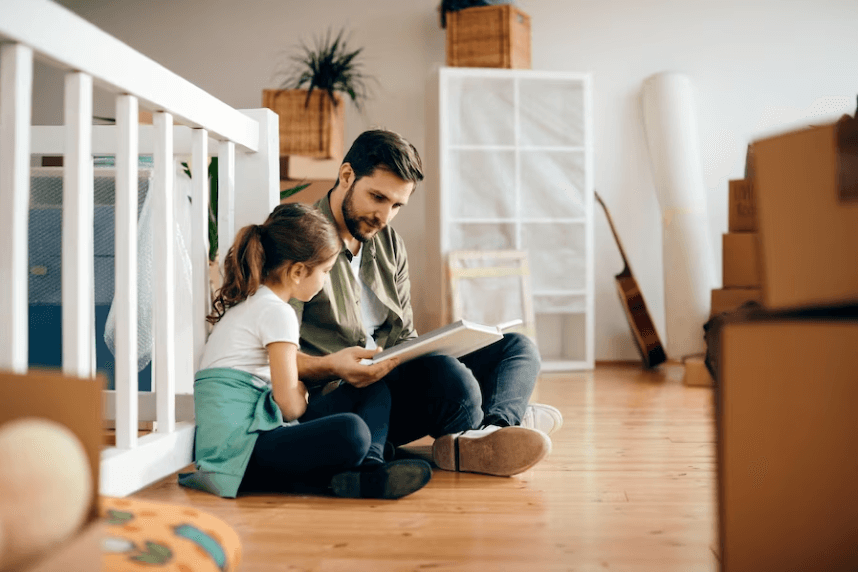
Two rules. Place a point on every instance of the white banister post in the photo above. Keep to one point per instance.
(257, 175)
(200, 239)
(125, 298)
(225, 198)
(77, 252)
(163, 276)
(16, 87)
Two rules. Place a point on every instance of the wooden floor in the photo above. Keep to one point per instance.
(629, 486)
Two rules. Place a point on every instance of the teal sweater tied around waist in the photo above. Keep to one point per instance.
(230, 412)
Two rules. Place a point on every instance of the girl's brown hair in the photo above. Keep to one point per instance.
(292, 233)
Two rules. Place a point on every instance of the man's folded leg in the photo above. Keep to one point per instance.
(433, 395)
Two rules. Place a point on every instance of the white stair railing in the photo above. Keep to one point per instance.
(247, 145)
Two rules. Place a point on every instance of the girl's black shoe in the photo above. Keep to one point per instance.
(388, 481)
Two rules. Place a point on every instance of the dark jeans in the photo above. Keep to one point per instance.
(339, 431)
(437, 395)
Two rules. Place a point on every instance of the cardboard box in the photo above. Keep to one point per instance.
(806, 191)
(696, 373)
(495, 36)
(740, 260)
(742, 213)
(75, 403)
(297, 167)
(728, 299)
(786, 444)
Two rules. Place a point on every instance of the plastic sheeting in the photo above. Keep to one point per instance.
(183, 272)
(689, 267)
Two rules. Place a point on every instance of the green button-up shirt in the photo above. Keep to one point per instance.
(332, 320)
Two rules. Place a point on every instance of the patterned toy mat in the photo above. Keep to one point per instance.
(141, 535)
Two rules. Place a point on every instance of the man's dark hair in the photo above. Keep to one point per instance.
(382, 149)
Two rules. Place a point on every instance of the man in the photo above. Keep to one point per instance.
(475, 406)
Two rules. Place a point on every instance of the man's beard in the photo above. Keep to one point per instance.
(353, 221)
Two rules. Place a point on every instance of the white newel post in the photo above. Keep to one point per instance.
(16, 86)
(257, 175)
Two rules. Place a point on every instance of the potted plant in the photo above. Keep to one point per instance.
(309, 101)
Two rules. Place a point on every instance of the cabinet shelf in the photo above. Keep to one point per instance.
(578, 292)
(523, 148)
(523, 220)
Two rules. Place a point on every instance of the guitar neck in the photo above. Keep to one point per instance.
(626, 269)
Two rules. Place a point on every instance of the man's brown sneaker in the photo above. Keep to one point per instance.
(500, 451)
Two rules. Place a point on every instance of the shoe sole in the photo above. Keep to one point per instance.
(503, 453)
(391, 481)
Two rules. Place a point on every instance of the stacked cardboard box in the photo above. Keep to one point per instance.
(786, 373)
(741, 269)
(787, 452)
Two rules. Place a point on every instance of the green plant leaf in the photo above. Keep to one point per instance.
(213, 173)
(286, 193)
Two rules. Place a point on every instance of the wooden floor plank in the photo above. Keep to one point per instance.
(629, 485)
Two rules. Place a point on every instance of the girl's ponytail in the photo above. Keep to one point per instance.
(242, 270)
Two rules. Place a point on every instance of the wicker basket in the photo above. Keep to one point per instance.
(489, 37)
(312, 131)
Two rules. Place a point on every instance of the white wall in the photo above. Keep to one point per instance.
(755, 64)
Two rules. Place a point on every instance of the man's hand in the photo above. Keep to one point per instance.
(347, 363)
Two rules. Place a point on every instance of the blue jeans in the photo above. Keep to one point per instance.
(437, 395)
(339, 431)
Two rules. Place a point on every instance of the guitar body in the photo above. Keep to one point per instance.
(646, 337)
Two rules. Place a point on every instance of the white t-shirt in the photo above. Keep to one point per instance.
(373, 312)
(238, 340)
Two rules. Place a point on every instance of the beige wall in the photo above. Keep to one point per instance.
(754, 63)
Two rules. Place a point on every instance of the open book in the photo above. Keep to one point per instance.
(454, 340)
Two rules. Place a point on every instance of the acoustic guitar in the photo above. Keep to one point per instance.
(631, 298)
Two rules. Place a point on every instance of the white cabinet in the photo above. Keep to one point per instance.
(509, 165)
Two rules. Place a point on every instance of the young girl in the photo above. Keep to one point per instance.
(255, 430)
